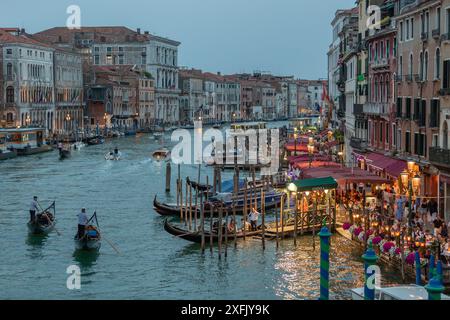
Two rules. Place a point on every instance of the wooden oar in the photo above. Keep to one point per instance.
(112, 246)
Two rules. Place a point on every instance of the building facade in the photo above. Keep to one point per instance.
(28, 83)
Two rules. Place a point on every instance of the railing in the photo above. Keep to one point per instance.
(444, 92)
(424, 36)
(375, 108)
(436, 33)
(380, 63)
(409, 78)
(440, 156)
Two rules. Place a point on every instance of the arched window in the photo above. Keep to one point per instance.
(9, 117)
(10, 95)
(437, 64)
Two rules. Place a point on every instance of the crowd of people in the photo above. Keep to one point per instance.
(392, 217)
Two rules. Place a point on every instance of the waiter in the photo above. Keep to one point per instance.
(33, 209)
(82, 223)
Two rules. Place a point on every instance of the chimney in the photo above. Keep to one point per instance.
(147, 32)
(22, 31)
(219, 73)
(138, 30)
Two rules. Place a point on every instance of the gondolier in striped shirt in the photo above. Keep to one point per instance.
(82, 222)
(33, 209)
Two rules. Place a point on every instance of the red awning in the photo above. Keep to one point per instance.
(392, 167)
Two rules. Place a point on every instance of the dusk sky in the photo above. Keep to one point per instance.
(288, 37)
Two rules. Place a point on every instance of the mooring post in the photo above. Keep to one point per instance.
(324, 263)
(431, 266)
(370, 259)
(418, 269)
(263, 210)
(435, 287)
(168, 176)
(203, 222)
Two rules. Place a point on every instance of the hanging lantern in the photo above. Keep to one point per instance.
(404, 176)
(416, 183)
(411, 166)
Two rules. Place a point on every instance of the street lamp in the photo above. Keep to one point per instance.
(411, 184)
(341, 158)
(310, 152)
(68, 118)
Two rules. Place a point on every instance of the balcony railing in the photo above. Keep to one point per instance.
(358, 143)
(409, 78)
(376, 108)
(398, 78)
(436, 33)
(380, 63)
(444, 92)
(424, 36)
(440, 156)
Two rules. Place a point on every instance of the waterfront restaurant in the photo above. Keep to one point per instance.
(315, 201)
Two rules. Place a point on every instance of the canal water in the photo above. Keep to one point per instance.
(152, 263)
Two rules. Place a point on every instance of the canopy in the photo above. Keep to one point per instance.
(313, 184)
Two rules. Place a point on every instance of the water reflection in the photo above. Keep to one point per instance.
(86, 259)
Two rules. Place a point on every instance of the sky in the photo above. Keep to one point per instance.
(285, 37)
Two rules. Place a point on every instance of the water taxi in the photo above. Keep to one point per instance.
(5, 152)
(161, 154)
(26, 141)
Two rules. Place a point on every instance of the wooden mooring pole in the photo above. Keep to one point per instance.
(202, 222)
(168, 176)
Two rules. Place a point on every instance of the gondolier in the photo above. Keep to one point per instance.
(82, 222)
(33, 209)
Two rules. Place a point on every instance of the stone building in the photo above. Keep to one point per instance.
(69, 100)
(28, 83)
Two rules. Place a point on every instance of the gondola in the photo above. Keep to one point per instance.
(238, 209)
(196, 236)
(167, 209)
(64, 154)
(198, 186)
(45, 221)
(95, 141)
(92, 238)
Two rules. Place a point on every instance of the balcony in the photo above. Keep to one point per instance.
(444, 92)
(409, 78)
(440, 156)
(376, 108)
(398, 78)
(436, 33)
(358, 143)
(424, 36)
(380, 63)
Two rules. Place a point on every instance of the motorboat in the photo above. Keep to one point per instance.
(161, 154)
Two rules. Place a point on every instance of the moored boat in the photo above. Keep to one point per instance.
(93, 141)
(196, 236)
(406, 292)
(64, 154)
(25, 141)
(161, 154)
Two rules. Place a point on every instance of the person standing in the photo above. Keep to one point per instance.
(33, 209)
(254, 215)
(82, 223)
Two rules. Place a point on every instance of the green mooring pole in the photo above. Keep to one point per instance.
(324, 263)
(370, 259)
(435, 287)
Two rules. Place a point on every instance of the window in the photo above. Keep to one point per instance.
(408, 108)
(97, 59)
(425, 78)
(438, 18)
(399, 107)
(434, 113)
(416, 109)
(407, 142)
(400, 66)
(9, 51)
(437, 64)
(10, 95)
(446, 75)
(401, 32)
(9, 70)
(411, 65)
